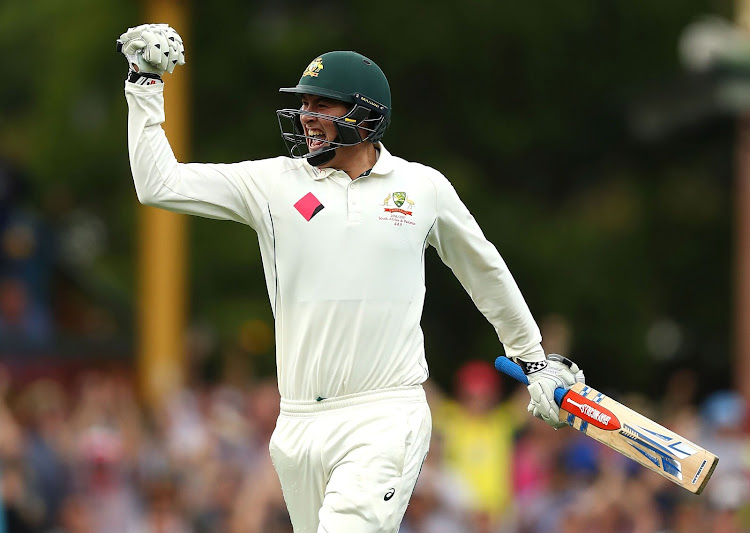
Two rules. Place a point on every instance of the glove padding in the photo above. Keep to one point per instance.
(544, 379)
(152, 48)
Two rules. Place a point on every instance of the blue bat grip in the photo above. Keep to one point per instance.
(509, 368)
(559, 395)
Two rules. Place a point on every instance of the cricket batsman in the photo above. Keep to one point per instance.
(343, 226)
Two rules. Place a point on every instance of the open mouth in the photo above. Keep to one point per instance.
(316, 139)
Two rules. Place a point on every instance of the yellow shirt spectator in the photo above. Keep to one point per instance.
(477, 436)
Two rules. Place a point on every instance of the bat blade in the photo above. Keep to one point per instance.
(640, 438)
(630, 433)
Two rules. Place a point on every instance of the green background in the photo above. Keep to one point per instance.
(534, 110)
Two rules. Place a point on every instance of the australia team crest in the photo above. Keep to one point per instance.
(399, 198)
(314, 68)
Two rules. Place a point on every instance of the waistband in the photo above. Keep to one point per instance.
(409, 394)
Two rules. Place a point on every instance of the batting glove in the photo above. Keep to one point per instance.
(544, 377)
(151, 50)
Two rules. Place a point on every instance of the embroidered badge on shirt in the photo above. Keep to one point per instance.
(398, 199)
(308, 206)
(399, 207)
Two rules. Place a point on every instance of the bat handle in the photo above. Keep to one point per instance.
(509, 368)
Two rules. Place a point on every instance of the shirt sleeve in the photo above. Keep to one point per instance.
(237, 191)
(477, 264)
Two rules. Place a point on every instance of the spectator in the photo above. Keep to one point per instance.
(163, 511)
(724, 415)
(47, 443)
(75, 516)
(26, 258)
(22, 322)
(261, 484)
(478, 435)
(23, 511)
(441, 501)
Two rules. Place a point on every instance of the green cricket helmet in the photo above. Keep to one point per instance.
(348, 77)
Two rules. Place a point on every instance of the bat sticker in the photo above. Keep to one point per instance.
(590, 411)
(668, 451)
(698, 473)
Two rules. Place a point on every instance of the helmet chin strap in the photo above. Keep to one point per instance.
(323, 157)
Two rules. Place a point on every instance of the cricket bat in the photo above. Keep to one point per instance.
(628, 432)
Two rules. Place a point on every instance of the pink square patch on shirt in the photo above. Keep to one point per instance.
(308, 206)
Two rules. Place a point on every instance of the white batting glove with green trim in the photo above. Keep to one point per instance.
(152, 49)
(544, 377)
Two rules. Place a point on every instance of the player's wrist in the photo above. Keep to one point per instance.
(144, 78)
(531, 367)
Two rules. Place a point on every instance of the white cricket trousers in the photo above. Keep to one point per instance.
(349, 464)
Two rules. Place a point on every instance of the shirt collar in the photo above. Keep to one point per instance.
(383, 165)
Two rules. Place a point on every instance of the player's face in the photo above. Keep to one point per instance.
(322, 130)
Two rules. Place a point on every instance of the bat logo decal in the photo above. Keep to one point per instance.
(699, 472)
(590, 411)
(655, 446)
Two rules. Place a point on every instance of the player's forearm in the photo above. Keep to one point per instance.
(151, 157)
(485, 276)
(213, 191)
(483, 273)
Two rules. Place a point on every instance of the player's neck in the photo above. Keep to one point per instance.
(355, 160)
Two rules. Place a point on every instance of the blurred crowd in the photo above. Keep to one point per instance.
(82, 455)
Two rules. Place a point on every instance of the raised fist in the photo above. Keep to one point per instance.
(152, 48)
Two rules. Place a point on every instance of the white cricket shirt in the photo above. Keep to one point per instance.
(343, 259)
